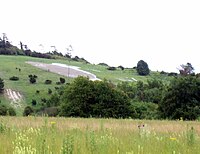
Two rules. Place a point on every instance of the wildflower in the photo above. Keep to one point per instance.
(173, 138)
(53, 122)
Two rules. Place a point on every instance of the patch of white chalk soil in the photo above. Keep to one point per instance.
(14, 96)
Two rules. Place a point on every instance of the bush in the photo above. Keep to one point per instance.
(14, 78)
(3, 110)
(142, 68)
(48, 82)
(28, 111)
(1, 85)
(62, 80)
(34, 102)
(111, 68)
(32, 80)
(49, 91)
(144, 110)
(11, 111)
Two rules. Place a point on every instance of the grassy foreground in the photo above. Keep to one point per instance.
(42, 135)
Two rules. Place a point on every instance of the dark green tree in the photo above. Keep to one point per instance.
(85, 98)
(182, 99)
(142, 68)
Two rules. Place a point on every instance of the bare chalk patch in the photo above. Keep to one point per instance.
(15, 97)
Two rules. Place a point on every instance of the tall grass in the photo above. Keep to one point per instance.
(102, 136)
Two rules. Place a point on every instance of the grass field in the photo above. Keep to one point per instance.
(42, 135)
(8, 65)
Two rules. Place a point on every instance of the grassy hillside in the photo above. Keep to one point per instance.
(8, 65)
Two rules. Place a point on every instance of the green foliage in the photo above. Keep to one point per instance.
(14, 78)
(48, 81)
(85, 98)
(62, 80)
(11, 111)
(1, 85)
(4, 110)
(142, 68)
(28, 111)
(144, 110)
(182, 99)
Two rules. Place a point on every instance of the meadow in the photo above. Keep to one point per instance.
(44, 135)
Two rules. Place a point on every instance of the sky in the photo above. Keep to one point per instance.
(163, 33)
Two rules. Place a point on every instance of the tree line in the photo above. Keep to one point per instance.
(180, 98)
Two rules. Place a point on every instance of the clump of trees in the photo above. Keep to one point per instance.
(181, 99)
(142, 68)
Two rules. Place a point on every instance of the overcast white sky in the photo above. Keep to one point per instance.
(164, 33)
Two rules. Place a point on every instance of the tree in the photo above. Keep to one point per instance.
(85, 98)
(182, 99)
(142, 68)
(186, 69)
(1, 85)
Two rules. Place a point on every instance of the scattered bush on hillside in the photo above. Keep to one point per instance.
(121, 67)
(32, 78)
(142, 68)
(1, 85)
(37, 91)
(103, 64)
(11, 111)
(14, 78)
(49, 91)
(62, 80)
(4, 110)
(33, 102)
(48, 81)
(28, 111)
(111, 68)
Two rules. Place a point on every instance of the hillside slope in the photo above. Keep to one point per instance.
(17, 66)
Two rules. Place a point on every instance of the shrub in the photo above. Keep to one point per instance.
(121, 67)
(144, 110)
(32, 80)
(11, 111)
(14, 78)
(49, 91)
(62, 80)
(3, 110)
(48, 82)
(1, 85)
(37, 91)
(28, 111)
(34, 102)
(111, 68)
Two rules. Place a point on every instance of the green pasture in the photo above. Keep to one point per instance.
(43, 135)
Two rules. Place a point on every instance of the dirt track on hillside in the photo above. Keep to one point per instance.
(65, 71)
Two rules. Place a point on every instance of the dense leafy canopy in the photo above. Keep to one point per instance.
(182, 99)
(142, 68)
